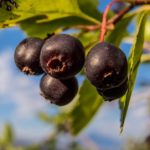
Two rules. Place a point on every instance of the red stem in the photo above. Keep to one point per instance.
(104, 20)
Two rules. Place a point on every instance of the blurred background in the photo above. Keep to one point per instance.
(26, 120)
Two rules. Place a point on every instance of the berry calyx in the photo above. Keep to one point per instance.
(106, 66)
(59, 92)
(27, 56)
(62, 56)
(114, 93)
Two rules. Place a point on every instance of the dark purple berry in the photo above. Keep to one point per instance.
(114, 93)
(27, 56)
(119, 6)
(8, 4)
(59, 92)
(62, 56)
(106, 66)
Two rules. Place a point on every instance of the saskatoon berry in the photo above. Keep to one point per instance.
(27, 56)
(62, 56)
(8, 4)
(114, 93)
(106, 66)
(119, 6)
(59, 92)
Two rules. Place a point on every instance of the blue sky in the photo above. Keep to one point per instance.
(20, 101)
(19, 94)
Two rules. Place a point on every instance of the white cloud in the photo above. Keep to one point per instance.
(18, 88)
(21, 91)
(107, 121)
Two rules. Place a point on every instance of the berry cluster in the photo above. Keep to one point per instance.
(8, 4)
(107, 69)
(61, 57)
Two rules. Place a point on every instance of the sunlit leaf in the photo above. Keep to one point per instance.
(120, 31)
(134, 61)
(93, 11)
(50, 9)
(31, 26)
(8, 134)
(89, 103)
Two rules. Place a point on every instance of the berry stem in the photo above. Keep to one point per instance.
(133, 4)
(118, 16)
(115, 19)
(104, 19)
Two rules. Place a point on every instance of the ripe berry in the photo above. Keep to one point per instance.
(27, 56)
(62, 56)
(114, 93)
(119, 6)
(106, 66)
(59, 92)
(8, 4)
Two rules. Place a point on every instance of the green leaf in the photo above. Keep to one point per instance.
(89, 39)
(88, 104)
(52, 119)
(145, 58)
(44, 117)
(50, 9)
(120, 31)
(93, 11)
(147, 30)
(31, 26)
(8, 134)
(134, 61)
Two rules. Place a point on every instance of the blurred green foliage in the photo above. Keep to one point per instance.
(38, 18)
(7, 139)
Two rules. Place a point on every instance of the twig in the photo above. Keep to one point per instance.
(112, 21)
(138, 2)
(104, 20)
(88, 27)
(118, 16)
